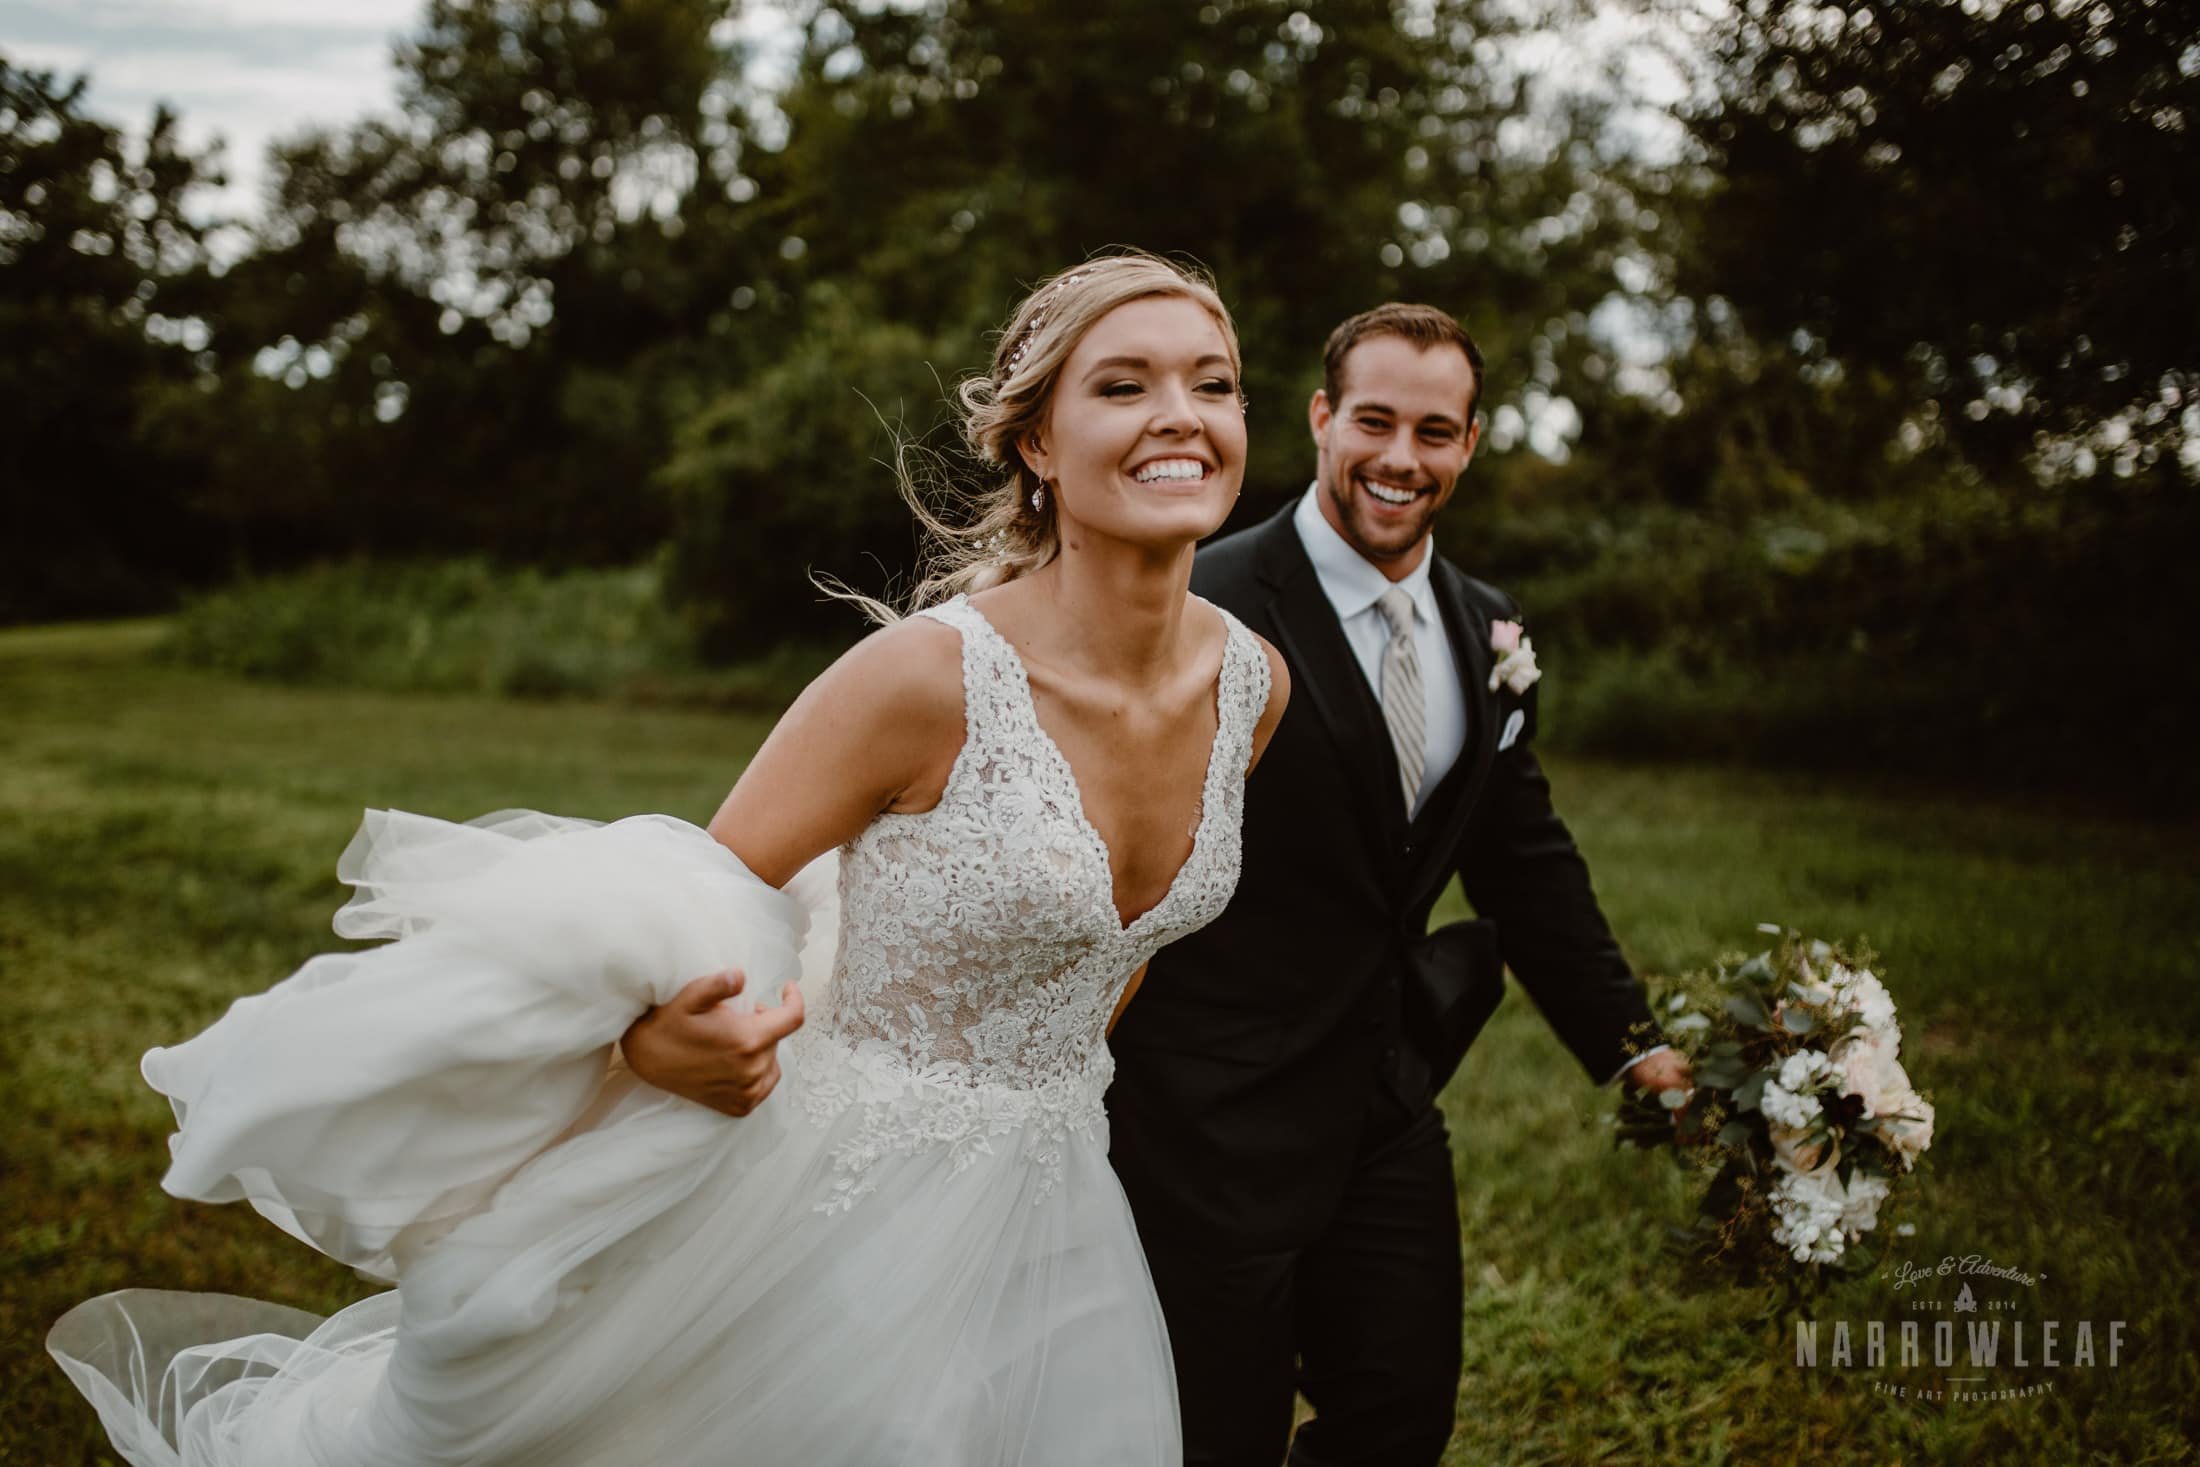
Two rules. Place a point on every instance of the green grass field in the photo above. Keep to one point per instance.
(168, 840)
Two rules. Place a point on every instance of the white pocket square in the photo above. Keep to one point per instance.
(1511, 735)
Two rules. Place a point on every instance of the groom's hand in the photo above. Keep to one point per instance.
(698, 1049)
(1668, 1069)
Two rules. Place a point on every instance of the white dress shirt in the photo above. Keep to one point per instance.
(1353, 587)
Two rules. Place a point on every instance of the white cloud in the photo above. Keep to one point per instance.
(247, 103)
(218, 15)
(253, 71)
(247, 71)
(48, 55)
(332, 83)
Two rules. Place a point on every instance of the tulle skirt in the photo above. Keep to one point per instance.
(876, 1266)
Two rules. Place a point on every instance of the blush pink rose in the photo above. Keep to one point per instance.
(1504, 636)
(1870, 1070)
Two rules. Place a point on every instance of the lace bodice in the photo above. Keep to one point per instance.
(980, 937)
(981, 953)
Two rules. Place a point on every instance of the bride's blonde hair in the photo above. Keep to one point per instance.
(983, 534)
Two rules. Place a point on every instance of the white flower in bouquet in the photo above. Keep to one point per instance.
(1803, 1069)
(1861, 993)
(1860, 1210)
(1817, 1216)
(1787, 1100)
(1807, 1215)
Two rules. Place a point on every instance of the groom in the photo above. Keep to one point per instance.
(1273, 1116)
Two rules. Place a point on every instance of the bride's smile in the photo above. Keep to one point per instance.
(1172, 471)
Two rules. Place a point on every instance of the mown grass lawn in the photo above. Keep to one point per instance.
(168, 841)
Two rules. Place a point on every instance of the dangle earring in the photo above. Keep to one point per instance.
(1039, 498)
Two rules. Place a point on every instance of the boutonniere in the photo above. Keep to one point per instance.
(1516, 667)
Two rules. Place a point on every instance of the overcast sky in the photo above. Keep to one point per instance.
(248, 70)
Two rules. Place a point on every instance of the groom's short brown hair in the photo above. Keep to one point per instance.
(1424, 326)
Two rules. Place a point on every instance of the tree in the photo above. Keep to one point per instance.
(101, 270)
(792, 474)
(1318, 156)
(469, 327)
(1989, 200)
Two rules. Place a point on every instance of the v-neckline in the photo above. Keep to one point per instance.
(1068, 773)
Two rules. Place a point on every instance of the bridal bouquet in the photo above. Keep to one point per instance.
(1802, 1120)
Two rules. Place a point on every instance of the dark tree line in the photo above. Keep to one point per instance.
(1990, 203)
(1921, 280)
(593, 286)
(99, 265)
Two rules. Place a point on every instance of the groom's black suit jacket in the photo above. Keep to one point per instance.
(1248, 1066)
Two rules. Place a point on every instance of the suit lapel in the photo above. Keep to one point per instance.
(1328, 676)
(1469, 634)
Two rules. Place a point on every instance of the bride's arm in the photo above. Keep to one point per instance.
(878, 731)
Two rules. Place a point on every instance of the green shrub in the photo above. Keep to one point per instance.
(1965, 634)
(791, 474)
(461, 626)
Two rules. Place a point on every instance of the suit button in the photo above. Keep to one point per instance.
(1409, 848)
(1390, 1056)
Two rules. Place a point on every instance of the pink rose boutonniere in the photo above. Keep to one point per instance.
(1516, 667)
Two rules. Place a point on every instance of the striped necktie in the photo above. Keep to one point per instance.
(1405, 708)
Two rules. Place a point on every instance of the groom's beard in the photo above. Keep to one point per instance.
(1378, 531)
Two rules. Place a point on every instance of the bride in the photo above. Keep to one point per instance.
(914, 1250)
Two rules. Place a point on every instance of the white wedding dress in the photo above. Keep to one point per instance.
(914, 1252)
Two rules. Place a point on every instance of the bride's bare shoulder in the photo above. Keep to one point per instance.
(907, 677)
(879, 730)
